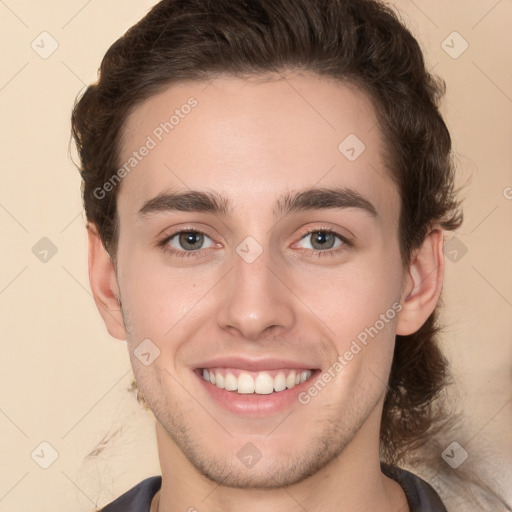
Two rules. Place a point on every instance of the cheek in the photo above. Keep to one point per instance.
(353, 298)
(158, 298)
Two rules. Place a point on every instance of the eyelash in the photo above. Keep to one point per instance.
(197, 253)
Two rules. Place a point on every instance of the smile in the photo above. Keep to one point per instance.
(260, 383)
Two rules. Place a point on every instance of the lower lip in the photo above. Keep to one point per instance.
(254, 404)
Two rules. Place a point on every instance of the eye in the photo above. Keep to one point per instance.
(190, 242)
(324, 242)
(185, 243)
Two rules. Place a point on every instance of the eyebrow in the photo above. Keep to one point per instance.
(217, 204)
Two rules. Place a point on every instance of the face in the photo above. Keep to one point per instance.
(253, 281)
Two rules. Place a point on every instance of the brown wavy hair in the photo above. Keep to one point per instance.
(360, 42)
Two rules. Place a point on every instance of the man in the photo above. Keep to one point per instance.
(266, 185)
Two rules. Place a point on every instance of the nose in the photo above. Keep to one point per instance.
(255, 299)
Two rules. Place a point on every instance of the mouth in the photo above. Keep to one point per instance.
(254, 389)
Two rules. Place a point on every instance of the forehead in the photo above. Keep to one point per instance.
(252, 141)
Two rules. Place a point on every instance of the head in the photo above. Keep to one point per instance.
(264, 95)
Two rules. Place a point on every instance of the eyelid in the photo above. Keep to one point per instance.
(164, 241)
(323, 228)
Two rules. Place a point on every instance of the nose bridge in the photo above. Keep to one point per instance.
(254, 298)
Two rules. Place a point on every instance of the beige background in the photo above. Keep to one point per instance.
(65, 381)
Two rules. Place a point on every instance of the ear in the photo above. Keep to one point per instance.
(103, 280)
(423, 284)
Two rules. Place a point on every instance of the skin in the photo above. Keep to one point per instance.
(254, 142)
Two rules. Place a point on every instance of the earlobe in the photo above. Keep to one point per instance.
(103, 281)
(423, 284)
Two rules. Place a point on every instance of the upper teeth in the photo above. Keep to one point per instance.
(262, 383)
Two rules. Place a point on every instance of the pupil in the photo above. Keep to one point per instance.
(189, 238)
(321, 237)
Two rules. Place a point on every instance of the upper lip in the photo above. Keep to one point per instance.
(251, 364)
